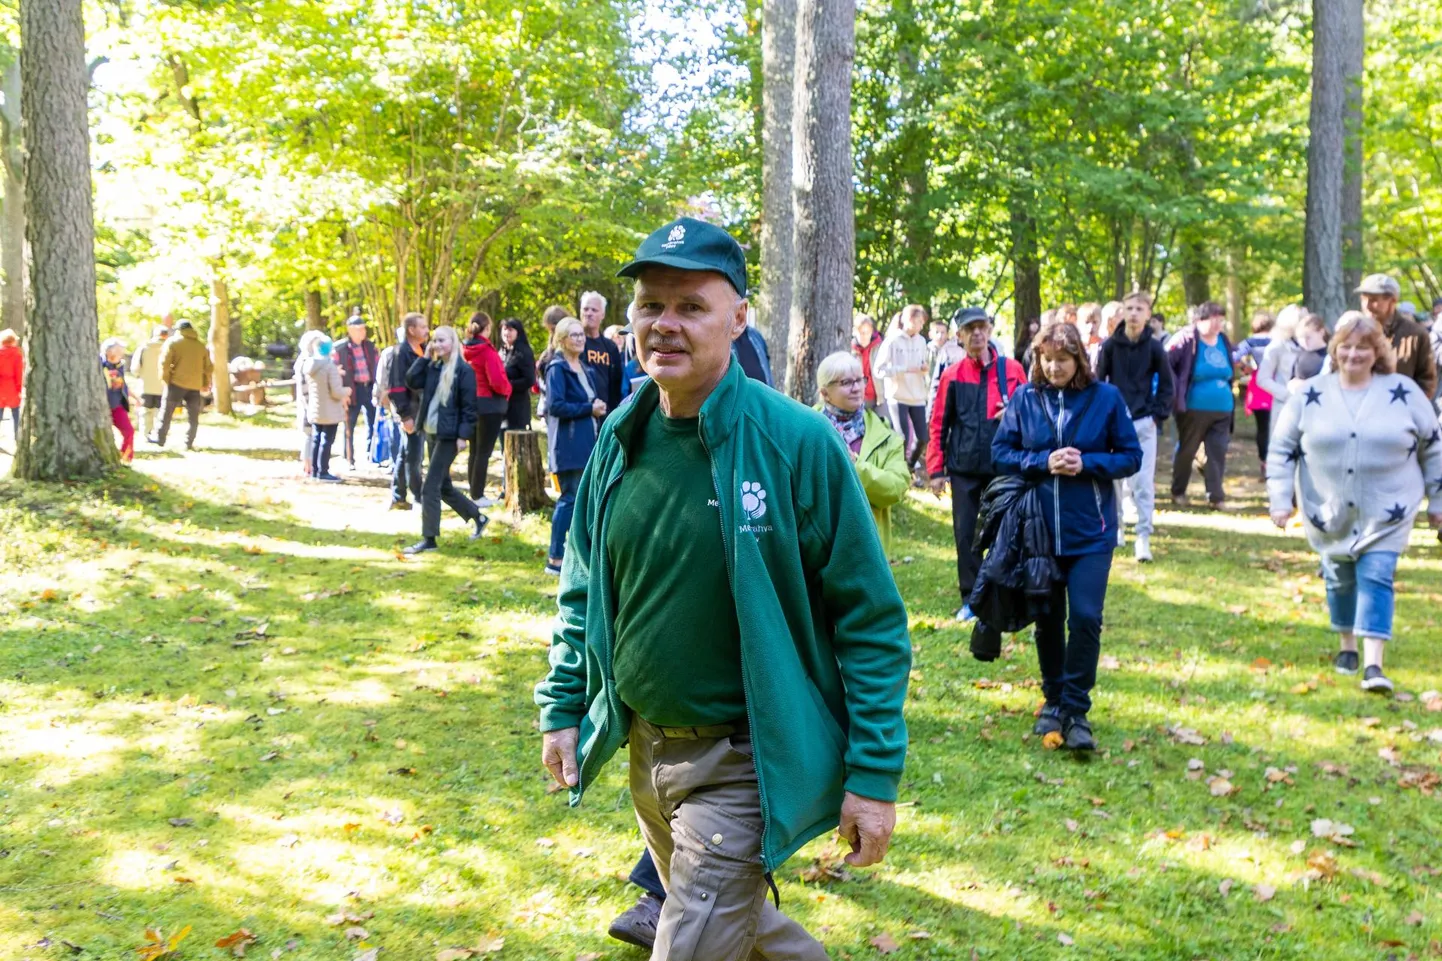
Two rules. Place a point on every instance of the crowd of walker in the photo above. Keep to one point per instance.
(717, 543)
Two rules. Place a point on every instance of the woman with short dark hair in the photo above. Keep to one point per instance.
(1201, 360)
(1072, 436)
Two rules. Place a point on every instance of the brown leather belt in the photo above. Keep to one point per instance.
(704, 731)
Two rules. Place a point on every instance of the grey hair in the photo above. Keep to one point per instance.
(109, 343)
(593, 295)
(309, 341)
(834, 367)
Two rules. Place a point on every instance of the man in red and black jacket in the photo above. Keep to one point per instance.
(357, 356)
(970, 398)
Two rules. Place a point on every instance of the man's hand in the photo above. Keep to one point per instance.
(558, 754)
(866, 825)
(938, 484)
(1280, 518)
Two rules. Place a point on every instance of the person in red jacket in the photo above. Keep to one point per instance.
(864, 348)
(493, 396)
(12, 377)
(970, 399)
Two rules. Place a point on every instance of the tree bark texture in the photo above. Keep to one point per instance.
(220, 343)
(65, 430)
(1026, 267)
(822, 175)
(1334, 194)
(525, 472)
(914, 143)
(12, 218)
(314, 311)
(778, 222)
(1195, 269)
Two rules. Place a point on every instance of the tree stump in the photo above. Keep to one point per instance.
(525, 472)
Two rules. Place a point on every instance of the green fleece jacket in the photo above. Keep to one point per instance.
(825, 653)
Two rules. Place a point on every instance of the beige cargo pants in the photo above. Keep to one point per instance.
(700, 813)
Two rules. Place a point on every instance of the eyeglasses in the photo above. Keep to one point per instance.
(848, 384)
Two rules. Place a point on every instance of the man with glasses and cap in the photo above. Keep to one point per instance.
(719, 609)
(1409, 339)
(965, 412)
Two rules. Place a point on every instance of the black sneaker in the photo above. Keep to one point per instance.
(1077, 732)
(637, 925)
(481, 523)
(420, 547)
(1345, 662)
(1374, 680)
(1048, 721)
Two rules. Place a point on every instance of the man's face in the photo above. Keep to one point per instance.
(938, 334)
(1135, 314)
(356, 332)
(592, 313)
(419, 332)
(684, 323)
(975, 337)
(1380, 306)
(911, 323)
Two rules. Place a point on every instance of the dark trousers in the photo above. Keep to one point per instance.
(910, 423)
(322, 439)
(518, 411)
(966, 490)
(644, 876)
(406, 454)
(360, 399)
(1069, 635)
(1264, 433)
(438, 487)
(173, 398)
(1209, 429)
(483, 445)
(561, 517)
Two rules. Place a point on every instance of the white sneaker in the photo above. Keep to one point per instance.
(483, 502)
(1144, 549)
(1121, 536)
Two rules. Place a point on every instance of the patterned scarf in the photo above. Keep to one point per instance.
(852, 426)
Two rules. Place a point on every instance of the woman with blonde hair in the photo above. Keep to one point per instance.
(447, 386)
(573, 418)
(877, 451)
(1359, 448)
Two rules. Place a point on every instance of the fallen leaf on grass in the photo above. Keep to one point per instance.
(356, 933)
(181, 822)
(1185, 735)
(370, 955)
(1264, 892)
(1225, 888)
(158, 945)
(1052, 740)
(885, 944)
(1065, 940)
(289, 841)
(1331, 830)
(1261, 664)
(237, 942)
(1071, 825)
(1322, 865)
(1221, 787)
(919, 935)
(1414, 919)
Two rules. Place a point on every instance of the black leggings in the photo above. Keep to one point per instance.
(483, 445)
(1264, 433)
(910, 423)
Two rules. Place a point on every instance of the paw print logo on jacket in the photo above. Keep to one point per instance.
(753, 500)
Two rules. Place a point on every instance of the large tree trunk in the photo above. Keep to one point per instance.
(1332, 245)
(65, 430)
(821, 172)
(12, 218)
(525, 471)
(220, 343)
(914, 148)
(1196, 276)
(778, 221)
(314, 311)
(1026, 267)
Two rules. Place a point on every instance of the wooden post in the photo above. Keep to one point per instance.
(525, 472)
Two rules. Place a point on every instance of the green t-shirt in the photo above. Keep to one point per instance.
(678, 643)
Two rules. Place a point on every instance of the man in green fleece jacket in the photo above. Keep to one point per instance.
(720, 609)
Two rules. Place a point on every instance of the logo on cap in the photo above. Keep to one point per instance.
(675, 238)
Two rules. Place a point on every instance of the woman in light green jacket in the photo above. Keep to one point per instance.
(876, 450)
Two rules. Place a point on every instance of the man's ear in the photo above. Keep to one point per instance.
(738, 324)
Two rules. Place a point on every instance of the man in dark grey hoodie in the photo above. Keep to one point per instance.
(1135, 363)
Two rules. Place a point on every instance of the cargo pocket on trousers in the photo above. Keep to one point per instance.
(715, 897)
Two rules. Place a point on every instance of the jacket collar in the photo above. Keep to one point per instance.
(719, 414)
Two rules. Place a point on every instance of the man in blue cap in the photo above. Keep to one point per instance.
(719, 609)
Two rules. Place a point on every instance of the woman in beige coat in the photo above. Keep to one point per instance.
(326, 398)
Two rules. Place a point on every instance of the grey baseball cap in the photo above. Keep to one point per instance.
(1380, 285)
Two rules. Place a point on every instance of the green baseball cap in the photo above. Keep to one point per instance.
(690, 244)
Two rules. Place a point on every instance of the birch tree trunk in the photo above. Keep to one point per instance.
(778, 222)
(1333, 241)
(12, 218)
(220, 343)
(821, 175)
(65, 429)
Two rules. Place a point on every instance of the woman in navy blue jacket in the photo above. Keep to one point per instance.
(1073, 436)
(573, 418)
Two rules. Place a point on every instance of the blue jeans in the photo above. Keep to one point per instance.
(1069, 663)
(406, 454)
(565, 506)
(1359, 593)
(644, 876)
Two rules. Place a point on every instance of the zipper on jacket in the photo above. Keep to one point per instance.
(1055, 482)
(604, 581)
(1097, 495)
(730, 580)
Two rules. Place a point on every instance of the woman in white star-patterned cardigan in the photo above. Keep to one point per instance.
(1360, 448)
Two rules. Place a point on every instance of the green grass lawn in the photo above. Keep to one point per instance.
(226, 702)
